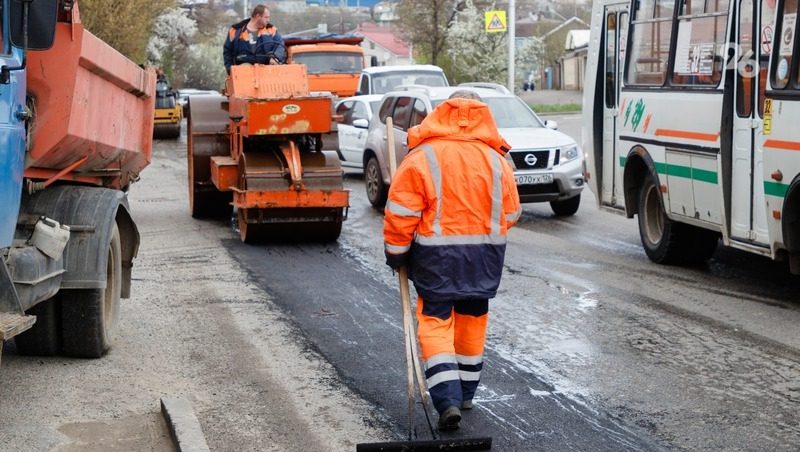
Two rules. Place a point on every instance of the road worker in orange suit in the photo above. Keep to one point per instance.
(449, 208)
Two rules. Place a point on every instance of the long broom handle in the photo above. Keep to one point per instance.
(405, 296)
(407, 325)
(408, 336)
(413, 365)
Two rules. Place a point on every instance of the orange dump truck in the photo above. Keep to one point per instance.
(334, 62)
(260, 151)
(79, 137)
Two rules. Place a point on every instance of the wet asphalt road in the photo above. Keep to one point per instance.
(590, 347)
(299, 347)
(353, 319)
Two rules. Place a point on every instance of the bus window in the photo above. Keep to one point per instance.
(764, 49)
(623, 37)
(746, 71)
(3, 49)
(700, 45)
(652, 32)
(784, 44)
(611, 60)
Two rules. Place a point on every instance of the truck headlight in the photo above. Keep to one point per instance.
(571, 153)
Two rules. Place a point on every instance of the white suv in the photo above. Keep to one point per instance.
(382, 79)
(548, 165)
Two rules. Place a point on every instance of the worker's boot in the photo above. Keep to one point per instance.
(450, 418)
(466, 405)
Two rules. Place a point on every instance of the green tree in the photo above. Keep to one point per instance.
(202, 66)
(476, 55)
(173, 32)
(124, 25)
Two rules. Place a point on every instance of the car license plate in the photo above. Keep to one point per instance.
(534, 179)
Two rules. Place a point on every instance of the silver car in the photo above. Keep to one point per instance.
(548, 165)
(356, 113)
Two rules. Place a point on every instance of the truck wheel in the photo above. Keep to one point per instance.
(44, 338)
(566, 207)
(377, 191)
(89, 316)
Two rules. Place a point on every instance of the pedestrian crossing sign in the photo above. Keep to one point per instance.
(495, 21)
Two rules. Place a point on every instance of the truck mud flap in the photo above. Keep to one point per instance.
(90, 212)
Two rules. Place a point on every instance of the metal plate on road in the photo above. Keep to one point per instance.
(534, 179)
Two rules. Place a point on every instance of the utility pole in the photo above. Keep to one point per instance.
(512, 32)
(245, 9)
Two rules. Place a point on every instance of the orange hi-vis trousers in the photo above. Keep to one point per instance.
(451, 337)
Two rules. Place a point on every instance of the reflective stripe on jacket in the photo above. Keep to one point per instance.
(452, 202)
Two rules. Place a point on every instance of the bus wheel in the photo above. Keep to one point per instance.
(668, 242)
(660, 235)
(702, 244)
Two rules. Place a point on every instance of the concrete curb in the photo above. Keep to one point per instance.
(183, 425)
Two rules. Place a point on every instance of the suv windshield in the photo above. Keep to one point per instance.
(511, 112)
(508, 112)
(382, 83)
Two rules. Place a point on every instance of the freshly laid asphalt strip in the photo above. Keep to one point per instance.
(354, 321)
(183, 426)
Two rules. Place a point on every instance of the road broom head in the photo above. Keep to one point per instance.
(455, 444)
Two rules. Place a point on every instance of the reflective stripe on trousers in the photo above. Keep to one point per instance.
(452, 336)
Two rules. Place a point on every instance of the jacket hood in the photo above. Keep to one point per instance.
(464, 119)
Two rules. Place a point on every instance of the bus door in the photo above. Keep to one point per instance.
(748, 212)
(616, 24)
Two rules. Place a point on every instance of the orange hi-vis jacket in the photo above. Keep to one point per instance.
(451, 204)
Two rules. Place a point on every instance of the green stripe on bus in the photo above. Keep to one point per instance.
(682, 171)
(704, 176)
(775, 189)
(770, 188)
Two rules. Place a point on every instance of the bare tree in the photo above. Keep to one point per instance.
(426, 23)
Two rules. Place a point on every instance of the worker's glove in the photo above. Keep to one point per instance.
(397, 260)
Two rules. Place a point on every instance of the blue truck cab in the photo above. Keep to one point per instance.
(13, 113)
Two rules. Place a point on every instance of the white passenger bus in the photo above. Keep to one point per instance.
(692, 121)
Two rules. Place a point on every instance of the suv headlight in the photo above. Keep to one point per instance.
(569, 154)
